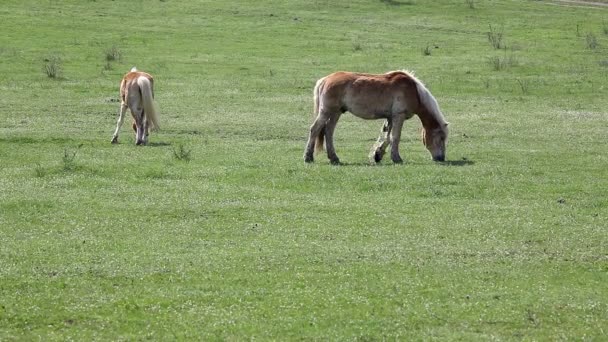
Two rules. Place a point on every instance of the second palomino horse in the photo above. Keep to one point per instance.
(395, 96)
(137, 93)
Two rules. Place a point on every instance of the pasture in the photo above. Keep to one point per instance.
(218, 230)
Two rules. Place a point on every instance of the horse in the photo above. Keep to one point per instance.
(137, 94)
(394, 96)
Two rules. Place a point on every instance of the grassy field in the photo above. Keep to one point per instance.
(219, 231)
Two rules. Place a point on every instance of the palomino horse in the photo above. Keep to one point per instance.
(137, 93)
(395, 96)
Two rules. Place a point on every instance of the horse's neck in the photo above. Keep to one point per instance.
(429, 121)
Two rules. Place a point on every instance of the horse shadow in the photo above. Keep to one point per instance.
(158, 144)
(460, 162)
(396, 2)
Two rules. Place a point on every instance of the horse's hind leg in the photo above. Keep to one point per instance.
(140, 133)
(144, 131)
(315, 130)
(138, 117)
(330, 127)
(379, 148)
(121, 119)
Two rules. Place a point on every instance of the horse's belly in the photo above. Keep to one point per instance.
(370, 113)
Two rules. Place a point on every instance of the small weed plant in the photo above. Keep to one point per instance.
(53, 67)
(182, 153)
(426, 51)
(495, 37)
(503, 62)
(39, 171)
(591, 41)
(69, 157)
(113, 54)
(524, 85)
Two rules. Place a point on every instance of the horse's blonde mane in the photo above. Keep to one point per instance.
(428, 100)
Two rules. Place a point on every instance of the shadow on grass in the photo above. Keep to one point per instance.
(158, 144)
(396, 2)
(462, 162)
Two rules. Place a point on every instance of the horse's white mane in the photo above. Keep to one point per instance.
(428, 99)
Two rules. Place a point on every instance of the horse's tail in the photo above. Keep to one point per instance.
(150, 108)
(319, 142)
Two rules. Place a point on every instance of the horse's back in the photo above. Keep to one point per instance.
(368, 83)
(132, 76)
(368, 96)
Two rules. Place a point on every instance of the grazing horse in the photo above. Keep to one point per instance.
(137, 93)
(395, 96)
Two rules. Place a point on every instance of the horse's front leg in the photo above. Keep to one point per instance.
(330, 128)
(379, 148)
(121, 119)
(395, 136)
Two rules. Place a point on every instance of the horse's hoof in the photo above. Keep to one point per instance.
(308, 159)
(114, 140)
(335, 161)
(397, 160)
(377, 157)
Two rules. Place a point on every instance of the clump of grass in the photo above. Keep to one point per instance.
(357, 46)
(181, 153)
(113, 54)
(69, 156)
(532, 318)
(500, 63)
(495, 37)
(524, 86)
(591, 41)
(426, 51)
(39, 171)
(471, 3)
(496, 62)
(605, 28)
(53, 67)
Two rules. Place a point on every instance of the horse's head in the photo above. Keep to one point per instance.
(435, 140)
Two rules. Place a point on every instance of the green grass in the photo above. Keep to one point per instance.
(219, 231)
